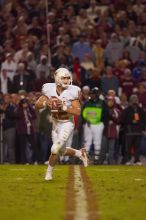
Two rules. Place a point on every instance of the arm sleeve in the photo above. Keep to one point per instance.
(45, 89)
(76, 93)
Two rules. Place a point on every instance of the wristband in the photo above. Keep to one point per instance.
(64, 107)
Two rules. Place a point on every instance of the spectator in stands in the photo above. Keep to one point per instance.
(114, 50)
(109, 81)
(82, 47)
(21, 55)
(8, 47)
(141, 41)
(112, 93)
(60, 36)
(127, 83)
(34, 28)
(92, 11)
(85, 94)
(20, 30)
(99, 53)
(9, 131)
(119, 68)
(123, 101)
(78, 70)
(138, 7)
(31, 62)
(121, 140)
(133, 49)
(10, 65)
(60, 58)
(127, 59)
(143, 76)
(50, 78)
(21, 80)
(87, 63)
(142, 95)
(93, 78)
(42, 66)
(111, 131)
(134, 124)
(6, 85)
(82, 19)
(40, 81)
(25, 131)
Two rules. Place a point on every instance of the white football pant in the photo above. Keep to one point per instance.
(62, 135)
(93, 134)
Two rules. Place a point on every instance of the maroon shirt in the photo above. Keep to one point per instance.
(22, 123)
(127, 86)
(142, 99)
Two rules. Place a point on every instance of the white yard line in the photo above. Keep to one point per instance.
(19, 178)
(81, 212)
(121, 170)
(138, 179)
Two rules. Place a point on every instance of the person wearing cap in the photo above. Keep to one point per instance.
(9, 65)
(42, 66)
(92, 117)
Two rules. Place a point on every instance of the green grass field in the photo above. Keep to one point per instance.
(120, 191)
(24, 195)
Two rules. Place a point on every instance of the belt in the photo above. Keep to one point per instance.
(61, 116)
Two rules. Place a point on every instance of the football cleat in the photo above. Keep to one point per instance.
(48, 175)
(129, 163)
(84, 157)
(138, 163)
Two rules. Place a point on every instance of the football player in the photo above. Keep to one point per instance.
(63, 99)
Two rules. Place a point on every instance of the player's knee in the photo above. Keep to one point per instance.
(62, 151)
(55, 148)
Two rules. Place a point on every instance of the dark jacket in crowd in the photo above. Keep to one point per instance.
(133, 119)
(25, 125)
(21, 83)
(9, 86)
(9, 120)
(112, 122)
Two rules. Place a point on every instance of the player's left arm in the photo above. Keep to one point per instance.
(41, 102)
(75, 108)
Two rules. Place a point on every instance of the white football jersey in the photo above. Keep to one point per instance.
(68, 95)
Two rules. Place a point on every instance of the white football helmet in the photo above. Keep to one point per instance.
(59, 74)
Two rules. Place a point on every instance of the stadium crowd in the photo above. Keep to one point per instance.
(103, 44)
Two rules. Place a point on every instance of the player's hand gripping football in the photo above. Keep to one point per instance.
(54, 104)
(59, 103)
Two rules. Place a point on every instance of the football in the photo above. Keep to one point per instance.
(54, 104)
